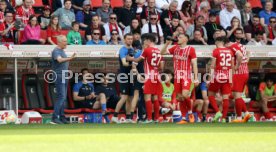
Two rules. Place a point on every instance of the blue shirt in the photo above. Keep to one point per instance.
(140, 66)
(203, 86)
(92, 42)
(123, 54)
(83, 89)
(59, 67)
(266, 16)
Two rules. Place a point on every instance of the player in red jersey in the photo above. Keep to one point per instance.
(152, 86)
(221, 77)
(240, 78)
(184, 57)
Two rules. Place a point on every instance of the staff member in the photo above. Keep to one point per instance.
(60, 64)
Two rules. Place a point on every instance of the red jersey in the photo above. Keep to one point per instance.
(152, 58)
(53, 34)
(10, 35)
(182, 60)
(24, 14)
(236, 47)
(223, 58)
(1, 17)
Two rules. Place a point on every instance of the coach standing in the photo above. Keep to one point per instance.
(60, 64)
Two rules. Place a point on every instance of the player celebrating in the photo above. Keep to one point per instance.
(240, 78)
(152, 87)
(221, 75)
(183, 57)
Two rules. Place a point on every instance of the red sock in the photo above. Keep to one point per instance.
(149, 109)
(225, 106)
(198, 114)
(156, 109)
(183, 108)
(244, 108)
(213, 103)
(164, 117)
(238, 106)
(268, 115)
(189, 104)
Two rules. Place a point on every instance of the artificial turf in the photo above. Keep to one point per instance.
(212, 137)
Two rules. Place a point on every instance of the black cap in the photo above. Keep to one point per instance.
(212, 14)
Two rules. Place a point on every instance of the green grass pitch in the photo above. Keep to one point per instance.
(210, 137)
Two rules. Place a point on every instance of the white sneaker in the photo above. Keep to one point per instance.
(147, 121)
(165, 110)
(246, 100)
(129, 121)
(115, 120)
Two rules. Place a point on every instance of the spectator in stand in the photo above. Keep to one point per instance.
(150, 9)
(24, 12)
(95, 25)
(5, 7)
(45, 18)
(77, 5)
(240, 4)
(186, 14)
(32, 32)
(256, 6)
(267, 13)
(162, 5)
(136, 36)
(74, 36)
(53, 30)
(251, 29)
(211, 27)
(154, 27)
(235, 23)
(239, 37)
(126, 14)
(270, 30)
(7, 29)
(112, 25)
(84, 17)
(226, 15)
(65, 15)
(115, 39)
(56, 4)
(134, 27)
(199, 24)
(198, 39)
(139, 8)
(96, 38)
(20, 2)
(216, 6)
(104, 12)
(204, 10)
(168, 15)
(258, 40)
(169, 30)
(246, 14)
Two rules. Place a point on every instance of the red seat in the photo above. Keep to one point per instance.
(71, 106)
(96, 3)
(64, 32)
(38, 3)
(117, 3)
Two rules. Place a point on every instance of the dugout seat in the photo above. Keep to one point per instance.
(32, 94)
(50, 94)
(7, 91)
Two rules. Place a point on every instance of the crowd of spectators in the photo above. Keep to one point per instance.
(249, 22)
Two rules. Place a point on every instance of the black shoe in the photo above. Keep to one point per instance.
(64, 120)
(56, 121)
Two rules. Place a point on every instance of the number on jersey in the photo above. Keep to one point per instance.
(155, 59)
(225, 59)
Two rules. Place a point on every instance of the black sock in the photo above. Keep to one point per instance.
(115, 114)
(131, 115)
(128, 117)
(153, 116)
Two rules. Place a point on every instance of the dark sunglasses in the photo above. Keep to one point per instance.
(272, 21)
(96, 33)
(114, 34)
(113, 18)
(153, 18)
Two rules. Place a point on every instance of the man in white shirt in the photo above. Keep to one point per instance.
(163, 4)
(228, 13)
(154, 27)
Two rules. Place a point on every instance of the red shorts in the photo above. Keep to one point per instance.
(182, 85)
(154, 88)
(239, 82)
(224, 88)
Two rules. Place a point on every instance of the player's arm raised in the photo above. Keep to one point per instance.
(164, 49)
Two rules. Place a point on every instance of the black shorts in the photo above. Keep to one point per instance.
(126, 88)
(112, 102)
(85, 103)
(137, 85)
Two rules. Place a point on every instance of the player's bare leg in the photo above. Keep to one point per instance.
(134, 102)
(187, 99)
(119, 105)
(214, 105)
(240, 106)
